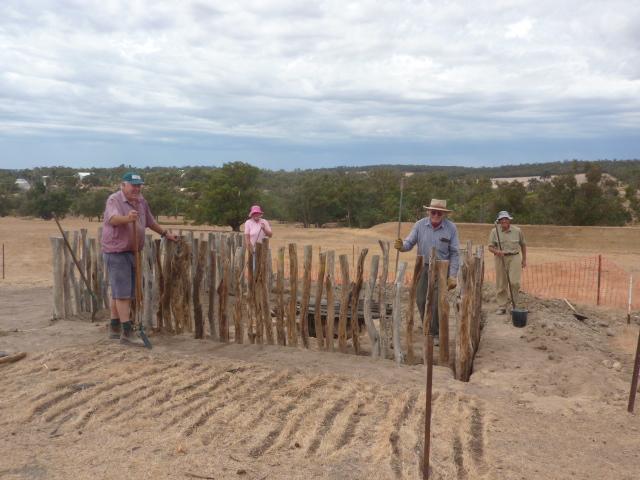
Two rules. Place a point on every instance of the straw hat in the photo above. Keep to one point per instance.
(437, 204)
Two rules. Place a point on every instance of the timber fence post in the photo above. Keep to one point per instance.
(331, 305)
(306, 292)
(397, 314)
(280, 328)
(443, 311)
(344, 303)
(318, 304)
(238, 269)
(265, 292)
(58, 277)
(417, 270)
(355, 297)
(199, 255)
(385, 327)
(292, 330)
(374, 337)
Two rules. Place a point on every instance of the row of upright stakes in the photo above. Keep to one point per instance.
(212, 286)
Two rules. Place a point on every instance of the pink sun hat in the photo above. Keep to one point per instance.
(255, 209)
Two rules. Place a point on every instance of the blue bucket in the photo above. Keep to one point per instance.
(519, 317)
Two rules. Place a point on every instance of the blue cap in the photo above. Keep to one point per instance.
(132, 178)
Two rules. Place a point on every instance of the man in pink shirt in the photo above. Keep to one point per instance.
(256, 228)
(125, 210)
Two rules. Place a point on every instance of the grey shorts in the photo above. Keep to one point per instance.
(121, 270)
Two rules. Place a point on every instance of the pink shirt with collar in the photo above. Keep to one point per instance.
(119, 238)
(254, 229)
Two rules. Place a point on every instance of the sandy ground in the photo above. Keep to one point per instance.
(544, 402)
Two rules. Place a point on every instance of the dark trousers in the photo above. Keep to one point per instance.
(421, 300)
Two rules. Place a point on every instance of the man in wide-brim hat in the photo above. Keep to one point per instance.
(435, 230)
(512, 258)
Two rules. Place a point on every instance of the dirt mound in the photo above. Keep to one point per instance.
(267, 419)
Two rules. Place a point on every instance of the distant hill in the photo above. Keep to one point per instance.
(612, 167)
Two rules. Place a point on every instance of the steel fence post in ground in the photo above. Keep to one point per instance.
(599, 274)
(629, 299)
(428, 347)
(634, 379)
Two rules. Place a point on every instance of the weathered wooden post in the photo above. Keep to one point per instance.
(258, 278)
(251, 294)
(385, 327)
(238, 270)
(213, 287)
(397, 314)
(68, 269)
(95, 286)
(99, 273)
(147, 276)
(165, 299)
(443, 311)
(104, 279)
(158, 283)
(58, 277)
(223, 293)
(69, 306)
(463, 337)
(75, 283)
(476, 307)
(280, 329)
(292, 331)
(355, 297)
(84, 300)
(331, 306)
(344, 303)
(318, 306)
(201, 250)
(180, 280)
(374, 337)
(267, 323)
(417, 269)
(306, 292)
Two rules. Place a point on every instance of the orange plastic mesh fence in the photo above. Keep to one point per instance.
(577, 281)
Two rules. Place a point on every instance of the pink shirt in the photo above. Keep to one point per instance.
(254, 229)
(119, 238)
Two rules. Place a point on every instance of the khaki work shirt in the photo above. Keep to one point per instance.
(512, 240)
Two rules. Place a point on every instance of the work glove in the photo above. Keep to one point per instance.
(398, 244)
(452, 283)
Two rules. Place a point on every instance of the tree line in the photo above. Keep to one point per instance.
(352, 197)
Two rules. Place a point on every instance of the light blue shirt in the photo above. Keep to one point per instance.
(444, 237)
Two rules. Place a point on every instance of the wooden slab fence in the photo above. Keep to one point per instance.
(213, 287)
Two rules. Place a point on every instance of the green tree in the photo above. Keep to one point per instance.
(41, 202)
(227, 195)
(91, 203)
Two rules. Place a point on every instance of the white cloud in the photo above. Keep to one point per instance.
(521, 29)
(283, 69)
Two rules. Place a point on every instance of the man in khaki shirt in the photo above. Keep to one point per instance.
(514, 253)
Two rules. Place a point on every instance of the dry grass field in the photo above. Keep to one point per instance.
(544, 402)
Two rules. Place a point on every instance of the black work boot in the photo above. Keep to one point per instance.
(114, 329)
(129, 337)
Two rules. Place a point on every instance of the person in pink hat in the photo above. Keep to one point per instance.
(256, 228)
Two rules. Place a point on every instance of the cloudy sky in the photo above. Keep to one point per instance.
(293, 84)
